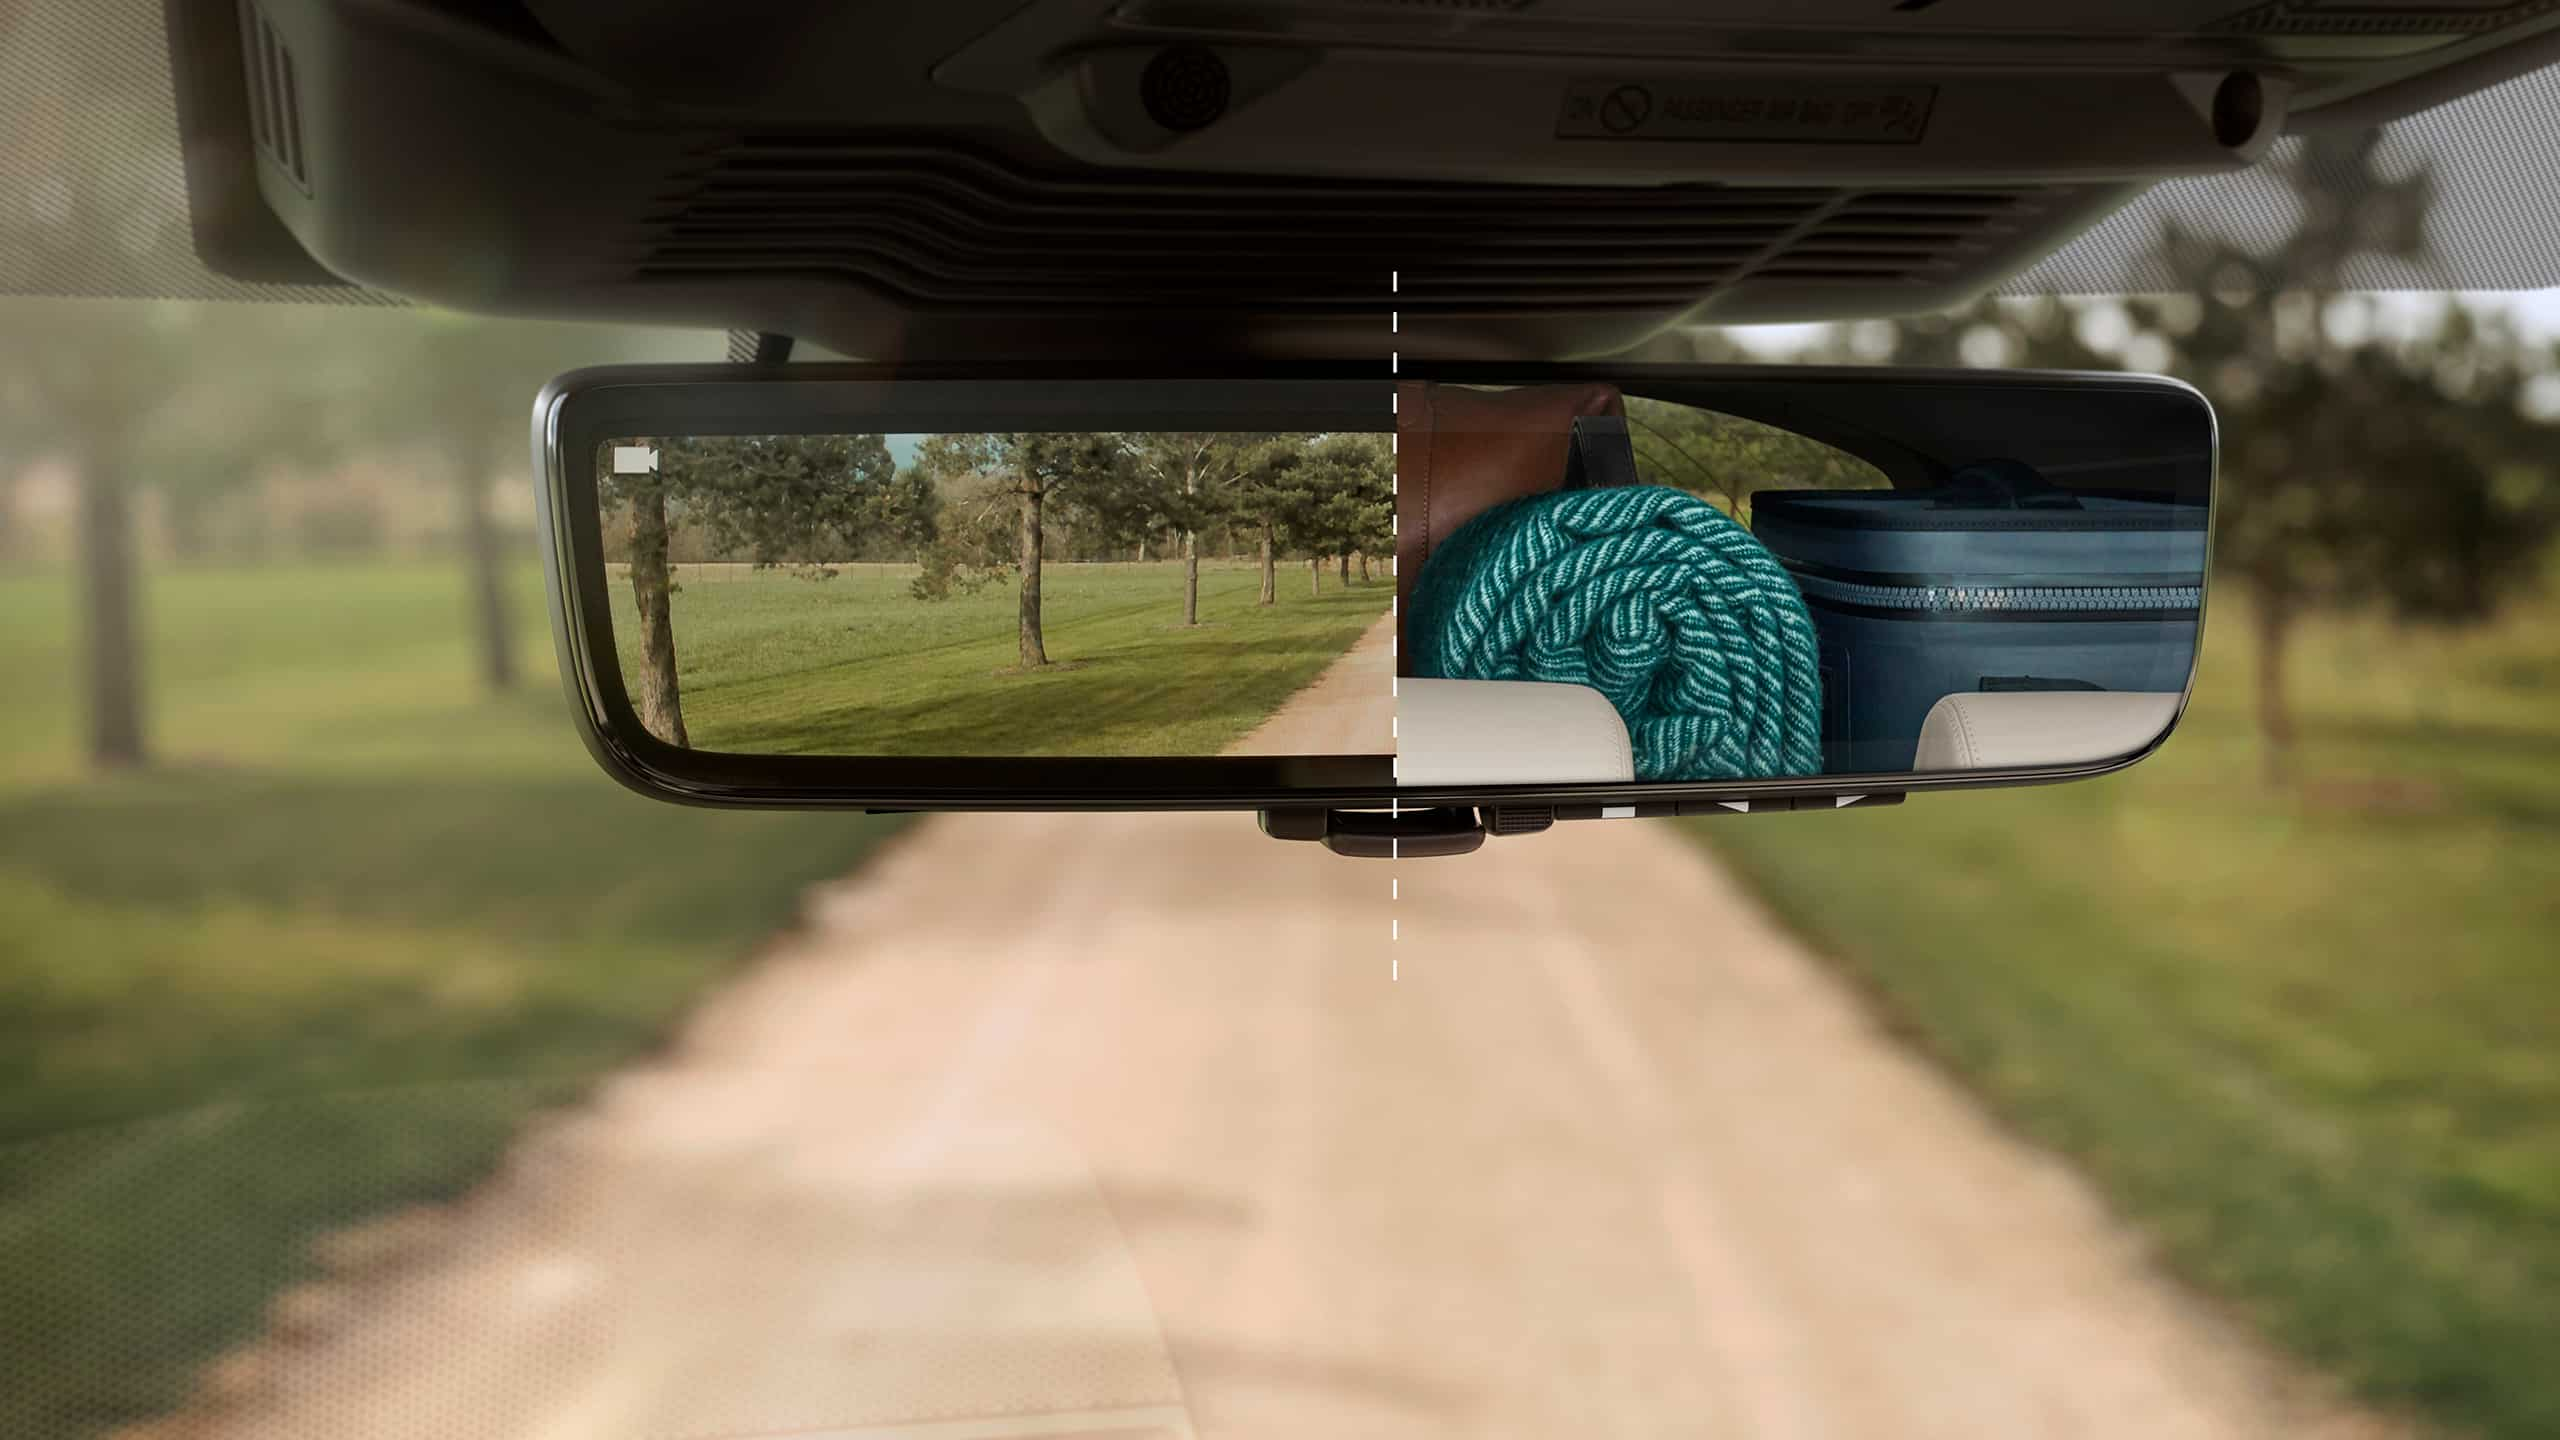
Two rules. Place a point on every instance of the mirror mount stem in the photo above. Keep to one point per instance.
(1381, 834)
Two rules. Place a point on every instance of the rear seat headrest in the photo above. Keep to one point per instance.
(1508, 732)
(1992, 729)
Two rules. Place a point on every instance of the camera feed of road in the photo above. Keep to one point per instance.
(985, 594)
(1603, 587)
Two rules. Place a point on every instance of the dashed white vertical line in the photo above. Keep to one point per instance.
(1395, 613)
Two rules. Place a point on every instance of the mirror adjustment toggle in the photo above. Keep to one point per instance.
(1461, 830)
(1381, 834)
(1784, 804)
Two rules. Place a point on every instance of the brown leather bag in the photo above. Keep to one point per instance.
(1460, 452)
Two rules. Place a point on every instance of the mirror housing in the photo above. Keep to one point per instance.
(1939, 453)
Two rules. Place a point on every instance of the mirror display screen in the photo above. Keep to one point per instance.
(1565, 584)
(972, 594)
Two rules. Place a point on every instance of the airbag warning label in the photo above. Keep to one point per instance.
(1746, 109)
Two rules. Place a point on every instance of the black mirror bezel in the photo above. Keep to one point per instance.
(578, 411)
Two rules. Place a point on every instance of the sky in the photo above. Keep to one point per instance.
(2535, 312)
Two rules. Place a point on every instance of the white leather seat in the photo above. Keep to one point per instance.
(1979, 731)
(1507, 732)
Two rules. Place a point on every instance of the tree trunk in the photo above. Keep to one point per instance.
(486, 562)
(1190, 549)
(1315, 576)
(1034, 654)
(108, 611)
(1270, 571)
(1364, 567)
(1346, 570)
(2273, 609)
(1190, 578)
(186, 514)
(661, 708)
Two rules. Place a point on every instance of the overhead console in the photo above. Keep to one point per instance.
(1546, 177)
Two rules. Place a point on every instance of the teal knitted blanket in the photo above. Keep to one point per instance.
(1648, 595)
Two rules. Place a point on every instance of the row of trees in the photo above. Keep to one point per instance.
(2362, 466)
(975, 508)
(1318, 495)
(2379, 452)
(197, 404)
(200, 401)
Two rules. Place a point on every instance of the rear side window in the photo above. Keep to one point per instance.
(1726, 459)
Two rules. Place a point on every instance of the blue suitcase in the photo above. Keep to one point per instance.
(1998, 581)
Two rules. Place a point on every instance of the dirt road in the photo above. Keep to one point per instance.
(1349, 710)
(1071, 1125)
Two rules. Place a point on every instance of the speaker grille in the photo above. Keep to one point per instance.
(946, 228)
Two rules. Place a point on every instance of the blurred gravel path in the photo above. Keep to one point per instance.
(1119, 1125)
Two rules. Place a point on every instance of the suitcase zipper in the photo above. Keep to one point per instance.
(2094, 602)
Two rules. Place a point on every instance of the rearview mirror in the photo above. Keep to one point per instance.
(1492, 597)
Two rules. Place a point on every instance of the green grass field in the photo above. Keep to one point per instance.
(773, 664)
(2309, 1039)
(319, 964)
(363, 921)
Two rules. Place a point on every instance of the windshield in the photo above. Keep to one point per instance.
(372, 1066)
